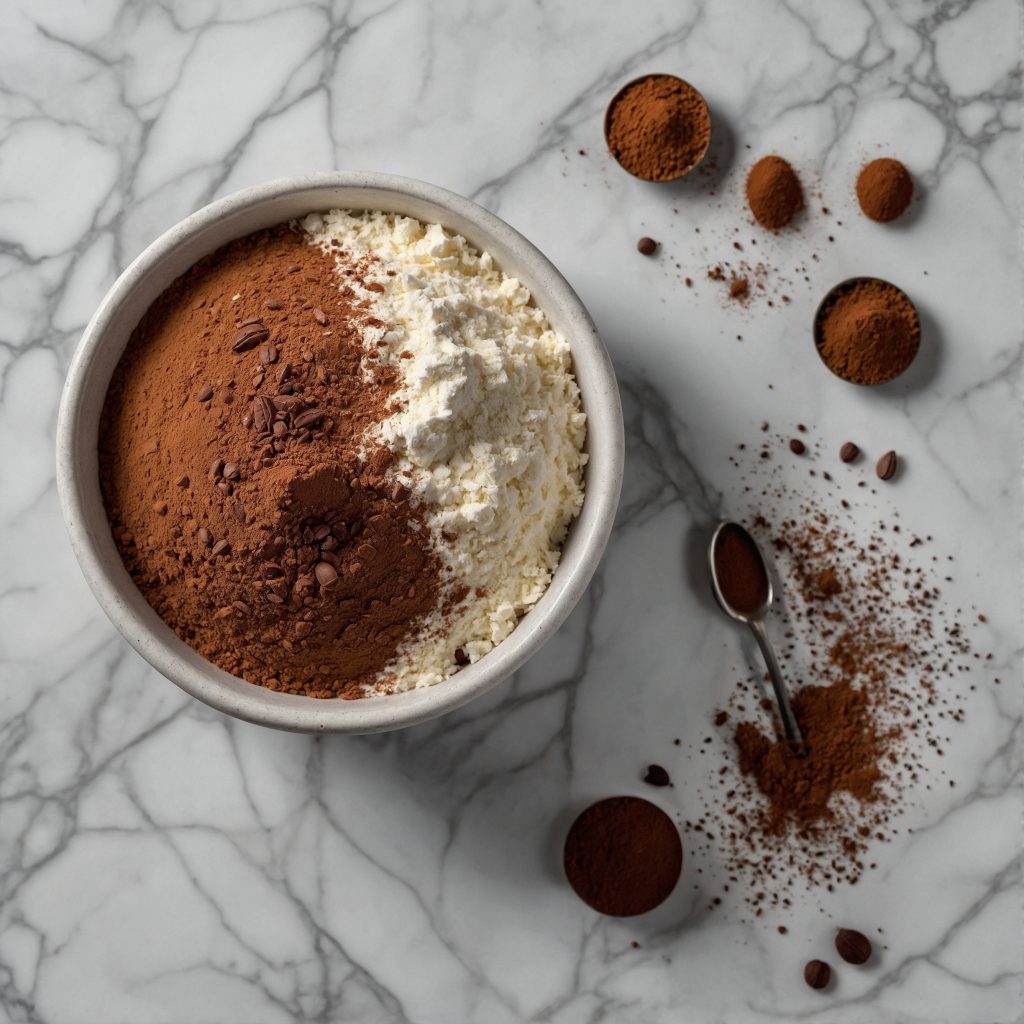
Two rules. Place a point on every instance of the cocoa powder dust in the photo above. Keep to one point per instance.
(878, 667)
(231, 471)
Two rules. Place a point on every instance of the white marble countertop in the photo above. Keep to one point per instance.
(163, 863)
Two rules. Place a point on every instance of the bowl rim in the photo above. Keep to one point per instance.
(115, 591)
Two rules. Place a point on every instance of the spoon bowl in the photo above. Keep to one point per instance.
(742, 587)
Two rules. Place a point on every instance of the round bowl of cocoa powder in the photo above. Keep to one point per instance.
(867, 331)
(658, 127)
(99, 354)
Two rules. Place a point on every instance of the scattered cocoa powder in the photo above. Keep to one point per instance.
(248, 518)
(867, 331)
(658, 127)
(884, 189)
(875, 661)
(774, 192)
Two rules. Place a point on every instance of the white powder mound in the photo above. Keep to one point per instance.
(490, 428)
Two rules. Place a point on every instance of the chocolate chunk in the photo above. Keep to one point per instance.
(849, 452)
(646, 246)
(887, 466)
(817, 973)
(797, 447)
(461, 657)
(853, 946)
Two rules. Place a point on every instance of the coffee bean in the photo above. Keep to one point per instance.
(239, 512)
(283, 372)
(216, 468)
(274, 598)
(268, 354)
(280, 428)
(263, 411)
(817, 973)
(657, 776)
(205, 537)
(319, 316)
(308, 418)
(205, 394)
(294, 268)
(222, 547)
(230, 471)
(241, 607)
(886, 467)
(325, 573)
(249, 335)
(849, 452)
(274, 304)
(646, 246)
(225, 488)
(852, 946)
(797, 447)
(321, 532)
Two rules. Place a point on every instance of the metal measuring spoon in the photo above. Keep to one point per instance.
(747, 600)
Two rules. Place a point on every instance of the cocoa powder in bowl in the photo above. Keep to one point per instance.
(243, 497)
(867, 331)
(658, 127)
(623, 856)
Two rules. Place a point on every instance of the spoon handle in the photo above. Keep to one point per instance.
(789, 727)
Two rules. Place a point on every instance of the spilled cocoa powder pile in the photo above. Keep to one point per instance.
(230, 467)
(884, 189)
(774, 192)
(876, 666)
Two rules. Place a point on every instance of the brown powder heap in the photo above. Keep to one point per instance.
(884, 189)
(230, 467)
(774, 192)
(843, 747)
(623, 856)
(658, 127)
(868, 332)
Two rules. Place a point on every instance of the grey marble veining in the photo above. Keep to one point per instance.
(159, 862)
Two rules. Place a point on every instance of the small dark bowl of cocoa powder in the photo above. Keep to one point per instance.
(867, 331)
(658, 127)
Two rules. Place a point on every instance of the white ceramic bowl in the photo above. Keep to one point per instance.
(107, 335)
